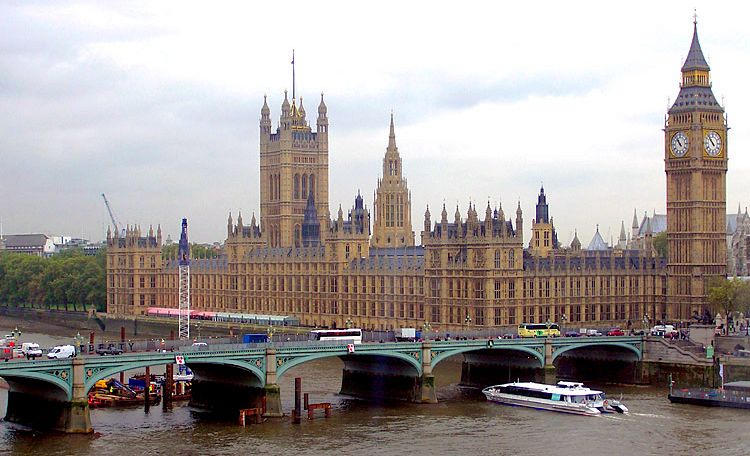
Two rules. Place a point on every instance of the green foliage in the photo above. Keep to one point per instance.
(69, 280)
(196, 251)
(660, 244)
(729, 295)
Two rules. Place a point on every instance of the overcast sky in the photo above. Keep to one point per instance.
(157, 104)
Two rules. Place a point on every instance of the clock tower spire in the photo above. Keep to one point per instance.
(695, 160)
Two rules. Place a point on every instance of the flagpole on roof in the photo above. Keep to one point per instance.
(293, 92)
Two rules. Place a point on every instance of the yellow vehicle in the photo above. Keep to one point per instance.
(538, 330)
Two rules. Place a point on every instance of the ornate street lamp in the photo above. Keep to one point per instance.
(270, 332)
(349, 323)
(79, 341)
(467, 320)
(548, 324)
(563, 320)
(426, 327)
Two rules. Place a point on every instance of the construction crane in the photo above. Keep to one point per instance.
(184, 291)
(111, 215)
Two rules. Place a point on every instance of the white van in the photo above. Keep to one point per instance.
(62, 351)
(664, 330)
(30, 350)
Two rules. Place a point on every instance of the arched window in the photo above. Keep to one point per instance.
(312, 184)
(296, 186)
(297, 236)
(498, 260)
(304, 186)
(270, 188)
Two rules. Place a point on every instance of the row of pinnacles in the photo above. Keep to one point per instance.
(292, 117)
(131, 236)
(493, 226)
(357, 223)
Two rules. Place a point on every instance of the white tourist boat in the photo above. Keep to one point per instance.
(567, 397)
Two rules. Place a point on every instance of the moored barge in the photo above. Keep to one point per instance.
(732, 395)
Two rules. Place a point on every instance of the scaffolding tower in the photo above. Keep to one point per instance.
(184, 265)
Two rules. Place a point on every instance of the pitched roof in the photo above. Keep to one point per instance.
(691, 98)
(658, 224)
(19, 241)
(597, 242)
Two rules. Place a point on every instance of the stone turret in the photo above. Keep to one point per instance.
(519, 221)
(576, 244)
(322, 116)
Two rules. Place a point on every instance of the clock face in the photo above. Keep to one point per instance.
(712, 143)
(679, 144)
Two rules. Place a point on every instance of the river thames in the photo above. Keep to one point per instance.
(462, 423)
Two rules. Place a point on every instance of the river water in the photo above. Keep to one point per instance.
(462, 423)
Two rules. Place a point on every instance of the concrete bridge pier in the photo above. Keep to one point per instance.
(272, 391)
(549, 373)
(41, 405)
(427, 380)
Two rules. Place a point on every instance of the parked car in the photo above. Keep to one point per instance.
(615, 332)
(62, 351)
(31, 350)
(111, 349)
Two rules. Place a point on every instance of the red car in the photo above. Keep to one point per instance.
(615, 332)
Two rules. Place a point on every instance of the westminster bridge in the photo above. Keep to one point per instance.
(53, 393)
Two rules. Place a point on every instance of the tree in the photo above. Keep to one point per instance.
(67, 279)
(196, 251)
(729, 295)
(660, 244)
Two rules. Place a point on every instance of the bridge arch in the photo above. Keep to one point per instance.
(442, 355)
(57, 384)
(296, 361)
(117, 368)
(598, 344)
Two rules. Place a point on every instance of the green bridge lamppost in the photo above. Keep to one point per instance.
(549, 325)
(563, 320)
(467, 320)
(349, 323)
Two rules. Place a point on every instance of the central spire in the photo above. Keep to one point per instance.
(392, 137)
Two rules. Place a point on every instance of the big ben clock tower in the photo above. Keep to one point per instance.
(695, 160)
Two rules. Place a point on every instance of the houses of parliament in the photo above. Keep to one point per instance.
(473, 268)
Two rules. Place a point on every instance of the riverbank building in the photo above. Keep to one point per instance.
(472, 270)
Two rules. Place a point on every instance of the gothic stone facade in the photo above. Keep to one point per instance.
(468, 273)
